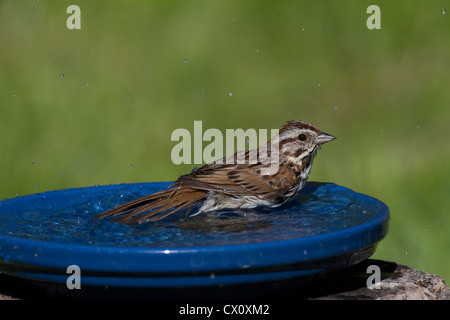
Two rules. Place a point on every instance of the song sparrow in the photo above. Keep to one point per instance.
(229, 184)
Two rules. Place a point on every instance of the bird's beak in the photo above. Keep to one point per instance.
(324, 137)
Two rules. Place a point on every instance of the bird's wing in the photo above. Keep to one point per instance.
(240, 179)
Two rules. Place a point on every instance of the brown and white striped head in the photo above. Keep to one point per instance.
(299, 142)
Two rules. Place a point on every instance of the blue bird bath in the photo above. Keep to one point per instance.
(326, 228)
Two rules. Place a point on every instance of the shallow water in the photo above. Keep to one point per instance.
(67, 216)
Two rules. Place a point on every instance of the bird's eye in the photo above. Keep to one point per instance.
(302, 137)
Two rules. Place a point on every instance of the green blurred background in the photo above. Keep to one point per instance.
(98, 105)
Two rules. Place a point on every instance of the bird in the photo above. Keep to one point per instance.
(255, 181)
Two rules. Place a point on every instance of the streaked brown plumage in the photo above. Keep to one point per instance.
(229, 184)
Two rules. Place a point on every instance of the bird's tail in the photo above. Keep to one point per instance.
(155, 206)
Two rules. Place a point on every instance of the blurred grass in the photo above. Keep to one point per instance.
(79, 107)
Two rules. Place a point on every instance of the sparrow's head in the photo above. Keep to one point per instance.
(299, 139)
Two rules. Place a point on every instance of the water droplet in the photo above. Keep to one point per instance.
(185, 61)
(131, 166)
(61, 76)
(230, 94)
(335, 107)
(443, 10)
